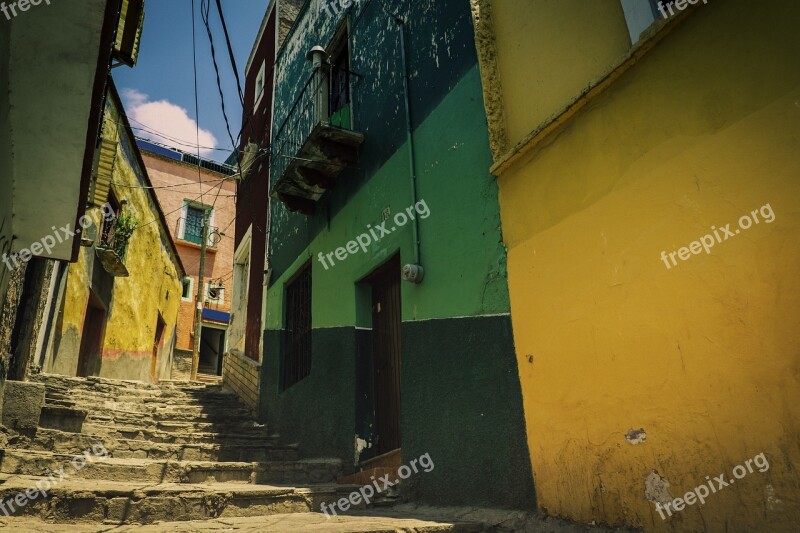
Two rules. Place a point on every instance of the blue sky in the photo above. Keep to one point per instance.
(159, 91)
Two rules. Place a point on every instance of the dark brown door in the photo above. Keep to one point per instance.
(156, 347)
(386, 353)
(94, 325)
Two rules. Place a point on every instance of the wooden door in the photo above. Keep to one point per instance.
(94, 324)
(386, 353)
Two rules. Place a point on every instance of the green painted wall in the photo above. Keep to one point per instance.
(460, 392)
(461, 246)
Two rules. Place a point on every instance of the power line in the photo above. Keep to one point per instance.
(204, 9)
(163, 186)
(230, 52)
(178, 209)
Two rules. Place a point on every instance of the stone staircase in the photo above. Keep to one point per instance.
(175, 455)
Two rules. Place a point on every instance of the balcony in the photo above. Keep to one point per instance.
(190, 231)
(316, 142)
(113, 245)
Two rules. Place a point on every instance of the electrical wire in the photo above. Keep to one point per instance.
(178, 209)
(163, 186)
(204, 10)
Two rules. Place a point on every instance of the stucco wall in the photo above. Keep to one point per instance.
(702, 356)
(5, 166)
(135, 302)
(548, 51)
(56, 48)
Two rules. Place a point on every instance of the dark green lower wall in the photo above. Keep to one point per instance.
(461, 404)
(317, 412)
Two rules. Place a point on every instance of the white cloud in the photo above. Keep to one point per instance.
(164, 117)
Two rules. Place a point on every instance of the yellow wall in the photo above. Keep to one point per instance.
(704, 356)
(549, 51)
(153, 286)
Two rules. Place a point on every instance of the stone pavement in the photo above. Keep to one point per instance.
(128, 456)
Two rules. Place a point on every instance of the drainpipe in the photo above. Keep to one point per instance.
(412, 272)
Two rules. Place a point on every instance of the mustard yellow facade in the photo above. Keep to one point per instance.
(139, 311)
(651, 365)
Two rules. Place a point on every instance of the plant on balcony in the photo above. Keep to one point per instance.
(117, 234)
(124, 227)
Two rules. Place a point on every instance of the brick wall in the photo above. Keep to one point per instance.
(241, 375)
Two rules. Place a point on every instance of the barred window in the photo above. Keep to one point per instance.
(297, 348)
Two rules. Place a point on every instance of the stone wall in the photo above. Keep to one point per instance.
(181, 365)
(241, 375)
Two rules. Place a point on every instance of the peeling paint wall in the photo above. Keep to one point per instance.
(133, 304)
(702, 358)
(458, 379)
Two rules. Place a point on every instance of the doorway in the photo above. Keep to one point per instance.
(94, 326)
(159, 338)
(212, 347)
(386, 321)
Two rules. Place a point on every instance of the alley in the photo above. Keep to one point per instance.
(400, 265)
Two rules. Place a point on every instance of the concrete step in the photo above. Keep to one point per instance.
(110, 502)
(32, 463)
(49, 440)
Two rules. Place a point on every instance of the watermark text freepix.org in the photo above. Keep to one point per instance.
(10, 10)
(45, 245)
(663, 7)
(367, 492)
(21, 499)
(718, 235)
(363, 241)
(701, 492)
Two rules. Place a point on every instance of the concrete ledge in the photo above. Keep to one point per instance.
(22, 404)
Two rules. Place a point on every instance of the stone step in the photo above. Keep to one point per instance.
(247, 428)
(96, 381)
(159, 436)
(48, 440)
(295, 522)
(157, 419)
(176, 412)
(106, 392)
(110, 502)
(31, 463)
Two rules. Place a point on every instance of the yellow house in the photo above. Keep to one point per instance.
(648, 161)
(118, 304)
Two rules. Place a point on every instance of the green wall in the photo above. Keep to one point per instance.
(461, 400)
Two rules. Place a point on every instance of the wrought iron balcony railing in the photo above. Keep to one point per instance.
(316, 141)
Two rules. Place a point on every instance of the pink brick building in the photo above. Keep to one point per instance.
(184, 194)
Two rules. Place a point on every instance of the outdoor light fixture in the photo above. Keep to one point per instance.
(413, 273)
